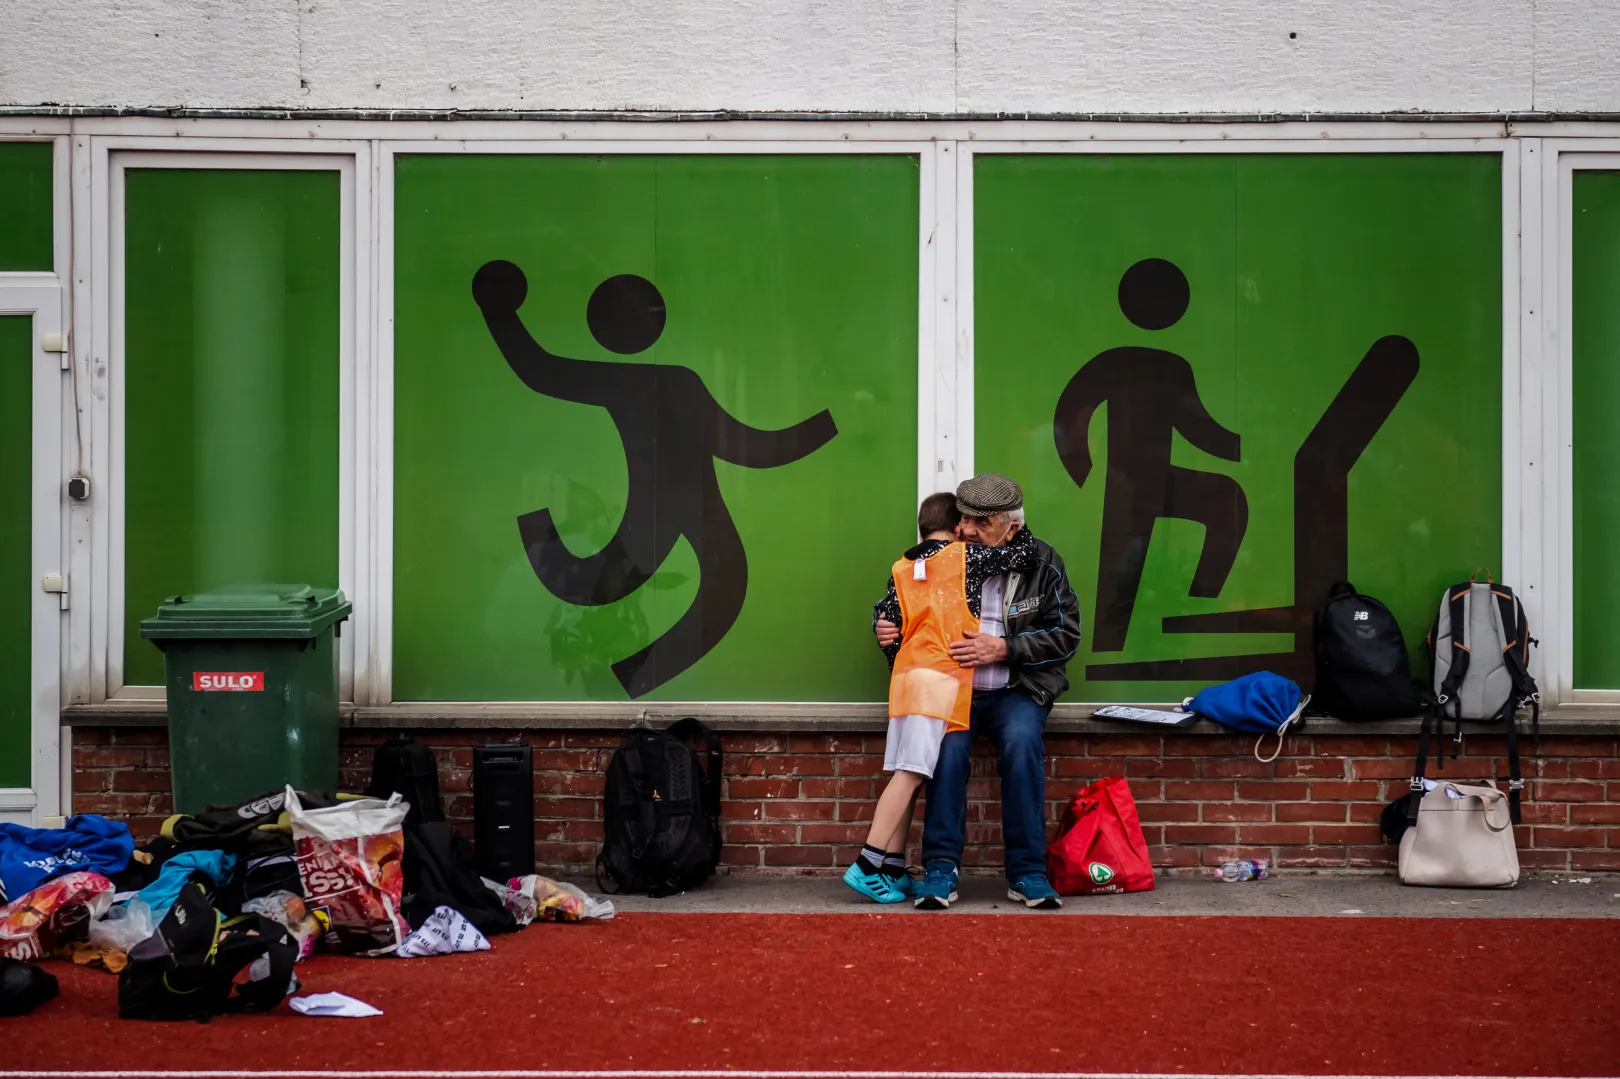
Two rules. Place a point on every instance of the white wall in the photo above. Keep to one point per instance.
(1042, 56)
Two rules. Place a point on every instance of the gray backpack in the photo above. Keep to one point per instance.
(1479, 650)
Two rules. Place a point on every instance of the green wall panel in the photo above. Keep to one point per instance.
(1595, 342)
(789, 290)
(1297, 270)
(25, 206)
(232, 355)
(16, 561)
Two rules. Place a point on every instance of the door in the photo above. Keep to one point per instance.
(31, 492)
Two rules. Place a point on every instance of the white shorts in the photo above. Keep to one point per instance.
(913, 744)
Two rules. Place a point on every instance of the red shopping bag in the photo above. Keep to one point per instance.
(1099, 847)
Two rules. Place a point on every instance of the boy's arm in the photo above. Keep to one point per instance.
(888, 609)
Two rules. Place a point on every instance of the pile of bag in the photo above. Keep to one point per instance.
(211, 915)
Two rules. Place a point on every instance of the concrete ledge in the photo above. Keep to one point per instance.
(796, 718)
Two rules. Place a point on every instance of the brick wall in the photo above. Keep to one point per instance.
(800, 802)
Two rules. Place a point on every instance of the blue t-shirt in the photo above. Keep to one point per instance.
(31, 856)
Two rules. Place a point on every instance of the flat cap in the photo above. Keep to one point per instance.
(987, 494)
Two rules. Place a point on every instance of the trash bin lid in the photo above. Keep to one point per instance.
(249, 611)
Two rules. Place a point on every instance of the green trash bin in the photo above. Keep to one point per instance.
(252, 691)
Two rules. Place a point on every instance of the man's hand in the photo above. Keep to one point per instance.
(887, 632)
(979, 650)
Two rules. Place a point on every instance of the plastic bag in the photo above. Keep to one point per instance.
(350, 859)
(549, 900)
(292, 914)
(32, 925)
(1100, 847)
(124, 927)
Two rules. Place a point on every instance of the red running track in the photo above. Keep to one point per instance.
(909, 992)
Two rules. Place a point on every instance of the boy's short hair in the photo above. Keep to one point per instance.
(938, 513)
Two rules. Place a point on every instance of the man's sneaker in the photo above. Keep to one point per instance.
(938, 889)
(1034, 892)
(874, 886)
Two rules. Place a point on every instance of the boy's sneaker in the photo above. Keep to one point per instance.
(907, 885)
(1035, 892)
(874, 886)
(938, 889)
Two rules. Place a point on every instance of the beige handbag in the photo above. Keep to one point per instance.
(1463, 838)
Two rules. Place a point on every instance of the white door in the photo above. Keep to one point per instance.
(33, 596)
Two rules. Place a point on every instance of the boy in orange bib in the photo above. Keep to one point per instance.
(936, 589)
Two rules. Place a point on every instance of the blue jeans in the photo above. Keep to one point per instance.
(1014, 724)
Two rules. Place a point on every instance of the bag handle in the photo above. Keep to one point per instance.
(1282, 730)
(1490, 796)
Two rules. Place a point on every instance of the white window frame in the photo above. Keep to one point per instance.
(1559, 160)
(111, 158)
(40, 297)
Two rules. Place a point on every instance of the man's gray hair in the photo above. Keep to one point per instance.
(1016, 516)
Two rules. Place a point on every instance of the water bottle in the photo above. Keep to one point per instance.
(1233, 872)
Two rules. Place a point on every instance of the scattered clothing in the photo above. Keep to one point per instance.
(445, 932)
(31, 856)
(260, 825)
(338, 1005)
(212, 865)
(85, 954)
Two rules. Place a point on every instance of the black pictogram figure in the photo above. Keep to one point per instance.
(672, 430)
(1321, 530)
(1151, 394)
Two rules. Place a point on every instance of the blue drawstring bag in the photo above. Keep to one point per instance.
(1262, 701)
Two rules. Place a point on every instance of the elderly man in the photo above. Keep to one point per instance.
(1029, 629)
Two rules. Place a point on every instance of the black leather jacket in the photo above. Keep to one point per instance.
(1043, 626)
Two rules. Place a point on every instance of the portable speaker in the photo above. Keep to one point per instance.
(503, 810)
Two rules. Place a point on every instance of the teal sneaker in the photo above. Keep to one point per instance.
(907, 885)
(874, 886)
(938, 889)
(1035, 892)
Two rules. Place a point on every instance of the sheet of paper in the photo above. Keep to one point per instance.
(337, 1005)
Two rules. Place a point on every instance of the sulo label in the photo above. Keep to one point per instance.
(233, 681)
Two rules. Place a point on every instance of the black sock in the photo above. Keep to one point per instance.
(871, 859)
(894, 863)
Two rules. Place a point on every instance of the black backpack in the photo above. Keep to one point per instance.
(188, 968)
(1362, 668)
(404, 766)
(661, 811)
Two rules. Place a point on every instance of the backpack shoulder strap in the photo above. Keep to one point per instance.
(1457, 613)
(1515, 656)
(686, 730)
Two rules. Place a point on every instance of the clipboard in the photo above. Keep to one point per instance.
(1156, 717)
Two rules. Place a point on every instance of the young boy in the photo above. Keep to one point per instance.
(933, 596)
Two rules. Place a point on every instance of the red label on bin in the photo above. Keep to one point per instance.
(235, 681)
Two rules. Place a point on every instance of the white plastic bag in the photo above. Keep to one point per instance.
(351, 861)
(123, 927)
